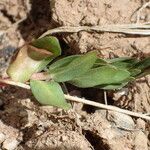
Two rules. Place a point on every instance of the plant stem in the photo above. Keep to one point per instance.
(84, 101)
(41, 76)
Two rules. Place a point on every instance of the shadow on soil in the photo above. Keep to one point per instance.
(96, 141)
(37, 21)
(12, 111)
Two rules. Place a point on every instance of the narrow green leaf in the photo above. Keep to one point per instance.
(49, 93)
(62, 62)
(120, 59)
(134, 72)
(116, 86)
(122, 65)
(143, 64)
(143, 73)
(100, 76)
(112, 86)
(123, 62)
(77, 67)
(100, 62)
(141, 68)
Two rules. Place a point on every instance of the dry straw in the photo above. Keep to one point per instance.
(84, 101)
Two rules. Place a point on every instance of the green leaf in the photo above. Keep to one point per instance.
(120, 59)
(49, 93)
(100, 62)
(116, 86)
(141, 68)
(122, 65)
(144, 73)
(143, 64)
(77, 67)
(123, 62)
(31, 59)
(100, 76)
(134, 72)
(112, 86)
(37, 53)
(49, 43)
(23, 66)
(62, 62)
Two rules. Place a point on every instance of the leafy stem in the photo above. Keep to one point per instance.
(83, 71)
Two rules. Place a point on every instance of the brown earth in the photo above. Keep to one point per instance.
(25, 125)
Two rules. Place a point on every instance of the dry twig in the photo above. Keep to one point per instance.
(10, 82)
(84, 101)
(139, 29)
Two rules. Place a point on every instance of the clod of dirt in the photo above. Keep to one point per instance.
(121, 120)
(59, 139)
(2, 137)
(9, 137)
(137, 98)
(141, 141)
(141, 124)
(15, 9)
(142, 95)
(11, 12)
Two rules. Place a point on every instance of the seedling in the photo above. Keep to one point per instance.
(35, 63)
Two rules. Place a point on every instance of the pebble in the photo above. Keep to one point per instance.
(140, 124)
(121, 120)
(141, 142)
(10, 144)
(2, 137)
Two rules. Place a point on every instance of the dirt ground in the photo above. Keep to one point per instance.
(26, 125)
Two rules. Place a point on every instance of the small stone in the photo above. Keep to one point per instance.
(64, 138)
(140, 124)
(141, 142)
(10, 144)
(2, 137)
(121, 120)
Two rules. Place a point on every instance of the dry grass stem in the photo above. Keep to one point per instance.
(139, 29)
(84, 101)
(10, 82)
